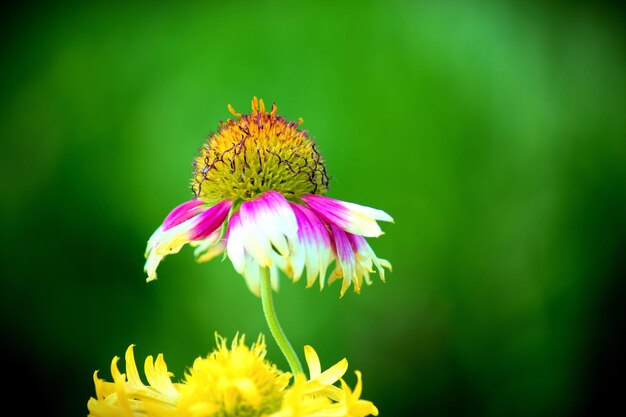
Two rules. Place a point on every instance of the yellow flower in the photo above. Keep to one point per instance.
(318, 396)
(230, 381)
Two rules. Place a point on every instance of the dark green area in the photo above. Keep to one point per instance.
(494, 134)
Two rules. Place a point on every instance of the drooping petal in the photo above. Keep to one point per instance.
(210, 220)
(243, 262)
(313, 247)
(209, 247)
(178, 215)
(366, 258)
(234, 243)
(261, 235)
(350, 217)
(355, 260)
(187, 223)
(268, 221)
(181, 213)
(252, 276)
(345, 260)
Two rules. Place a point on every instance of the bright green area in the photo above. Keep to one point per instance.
(493, 134)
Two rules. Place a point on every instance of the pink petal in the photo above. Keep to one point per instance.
(352, 218)
(181, 213)
(345, 256)
(210, 220)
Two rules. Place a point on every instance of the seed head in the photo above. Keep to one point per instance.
(255, 153)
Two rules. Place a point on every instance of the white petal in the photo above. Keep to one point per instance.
(234, 244)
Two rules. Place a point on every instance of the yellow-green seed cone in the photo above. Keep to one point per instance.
(255, 153)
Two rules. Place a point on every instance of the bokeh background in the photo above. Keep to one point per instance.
(494, 134)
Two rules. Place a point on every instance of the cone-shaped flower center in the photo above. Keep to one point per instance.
(255, 153)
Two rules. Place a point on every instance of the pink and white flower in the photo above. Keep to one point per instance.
(270, 231)
(258, 184)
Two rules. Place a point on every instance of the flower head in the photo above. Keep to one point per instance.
(230, 381)
(258, 185)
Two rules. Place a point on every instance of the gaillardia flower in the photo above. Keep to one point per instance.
(258, 187)
(235, 381)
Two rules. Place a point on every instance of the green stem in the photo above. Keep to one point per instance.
(274, 325)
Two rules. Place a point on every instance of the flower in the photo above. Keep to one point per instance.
(258, 185)
(235, 381)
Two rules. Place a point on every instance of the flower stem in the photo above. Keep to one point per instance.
(274, 325)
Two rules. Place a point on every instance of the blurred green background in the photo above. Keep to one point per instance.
(493, 133)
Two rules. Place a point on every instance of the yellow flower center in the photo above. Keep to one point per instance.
(235, 381)
(255, 153)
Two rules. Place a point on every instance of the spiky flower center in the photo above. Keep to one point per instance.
(233, 381)
(255, 153)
